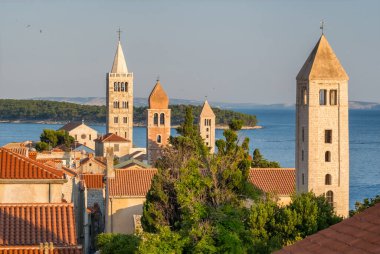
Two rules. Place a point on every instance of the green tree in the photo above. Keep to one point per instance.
(361, 206)
(53, 138)
(117, 243)
(258, 161)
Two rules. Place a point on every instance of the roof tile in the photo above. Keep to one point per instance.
(93, 181)
(131, 182)
(280, 181)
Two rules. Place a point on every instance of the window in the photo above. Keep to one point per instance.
(330, 198)
(116, 104)
(83, 136)
(125, 134)
(125, 120)
(303, 134)
(76, 137)
(327, 156)
(328, 179)
(115, 86)
(303, 179)
(206, 143)
(333, 97)
(302, 155)
(208, 122)
(159, 139)
(122, 86)
(162, 118)
(127, 104)
(322, 97)
(124, 104)
(126, 86)
(118, 86)
(206, 136)
(328, 136)
(89, 136)
(304, 96)
(155, 119)
(116, 147)
(90, 164)
(207, 129)
(116, 119)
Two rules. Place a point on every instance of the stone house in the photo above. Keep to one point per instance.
(120, 145)
(81, 133)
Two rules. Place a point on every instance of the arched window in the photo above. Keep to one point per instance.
(328, 179)
(118, 86)
(330, 198)
(122, 86)
(127, 104)
(116, 104)
(126, 86)
(155, 119)
(159, 139)
(115, 86)
(327, 156)
(162, 118)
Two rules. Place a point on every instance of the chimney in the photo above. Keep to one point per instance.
(109, 158)
(33, 155)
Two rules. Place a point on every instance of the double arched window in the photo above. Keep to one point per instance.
(120, 86)
(116, 104)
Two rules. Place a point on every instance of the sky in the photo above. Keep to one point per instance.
(230, 51)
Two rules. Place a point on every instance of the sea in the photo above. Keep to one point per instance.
(276, 141)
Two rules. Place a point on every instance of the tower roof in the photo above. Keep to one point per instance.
(207, 110)
(119, 64)
(158, 99)
(322, 63)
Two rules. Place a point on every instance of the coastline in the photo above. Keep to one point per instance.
(218, 127)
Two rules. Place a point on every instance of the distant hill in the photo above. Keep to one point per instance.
(142, 102)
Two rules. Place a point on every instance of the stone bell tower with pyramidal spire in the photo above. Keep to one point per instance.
(322, 148)
(207, 126)
(120, 97)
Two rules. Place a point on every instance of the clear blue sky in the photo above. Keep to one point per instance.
(232, 51)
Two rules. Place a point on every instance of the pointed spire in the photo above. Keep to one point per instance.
(119, 64)
(158, 99)
(322, 64)
(207, 110)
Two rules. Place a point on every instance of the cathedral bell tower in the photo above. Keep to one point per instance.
(207, 126)
(120, 97)
(322, 148)
(158, 123)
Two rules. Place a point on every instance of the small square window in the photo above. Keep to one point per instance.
(116, 119)
(328, 136)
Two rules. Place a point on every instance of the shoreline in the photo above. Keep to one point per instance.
(218, 127)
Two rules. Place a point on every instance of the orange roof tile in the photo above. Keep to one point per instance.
(15, 166)
(111, 137)
(358, 234)
(32, 224)
(281, 181)
(158, 99)
(131, 182)
(93, 181)
(40, 250)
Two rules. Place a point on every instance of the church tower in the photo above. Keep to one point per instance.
(207, 126)
(322, 152)
(120, 98)
(158, 123)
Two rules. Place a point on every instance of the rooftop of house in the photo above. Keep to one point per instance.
(93, 181)
(281, 181)
(358, 234)
(25, 226)
(111, 137)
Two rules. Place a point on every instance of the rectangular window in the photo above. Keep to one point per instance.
(322, 97)
(116, 147)
(302, 155)
(328, 136)
(125, 119)
(76, 137)
(303, 179)
(89, 136)
(304, 96)
(303, 134)
(333, 97)
(116, 119)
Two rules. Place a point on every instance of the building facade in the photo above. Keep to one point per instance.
(158, 123)
(120, 97)
(82, 133)
(207, 126)
(322, 149)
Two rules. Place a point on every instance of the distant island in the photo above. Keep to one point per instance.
(142, 102)
(47, 111)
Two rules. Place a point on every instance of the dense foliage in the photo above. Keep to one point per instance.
(258, 161)
(203, 203)
(367, 202)
(52, 138)
(117, 243)
(37, 110)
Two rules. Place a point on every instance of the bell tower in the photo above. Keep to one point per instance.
(322, 148)
(207, 126)
(120, 97)
(158, 123)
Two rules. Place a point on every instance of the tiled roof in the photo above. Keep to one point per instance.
(130, 163)
(281, 181)
(358, 234)
(15, 166)
(158, 99)
(32, 224)
(96, 160)
(40, 250)
(111, 137)
(93, 181)
(70, 126)
(131, 182)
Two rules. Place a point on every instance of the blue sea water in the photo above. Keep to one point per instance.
(276, 141)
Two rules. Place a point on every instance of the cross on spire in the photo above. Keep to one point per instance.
(158, 78)
(322, 25)
(119, 32)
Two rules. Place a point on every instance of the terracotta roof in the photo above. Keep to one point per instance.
(111, 137)
(70, 126)
(131, 182)
(281, 181)
(25, 226)
(322, 63)
(69, 171)
(158, 99)
(130, 163)
(358, 234)
(207, 110)
(93, 181)
(15, 166)
(96, 160)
